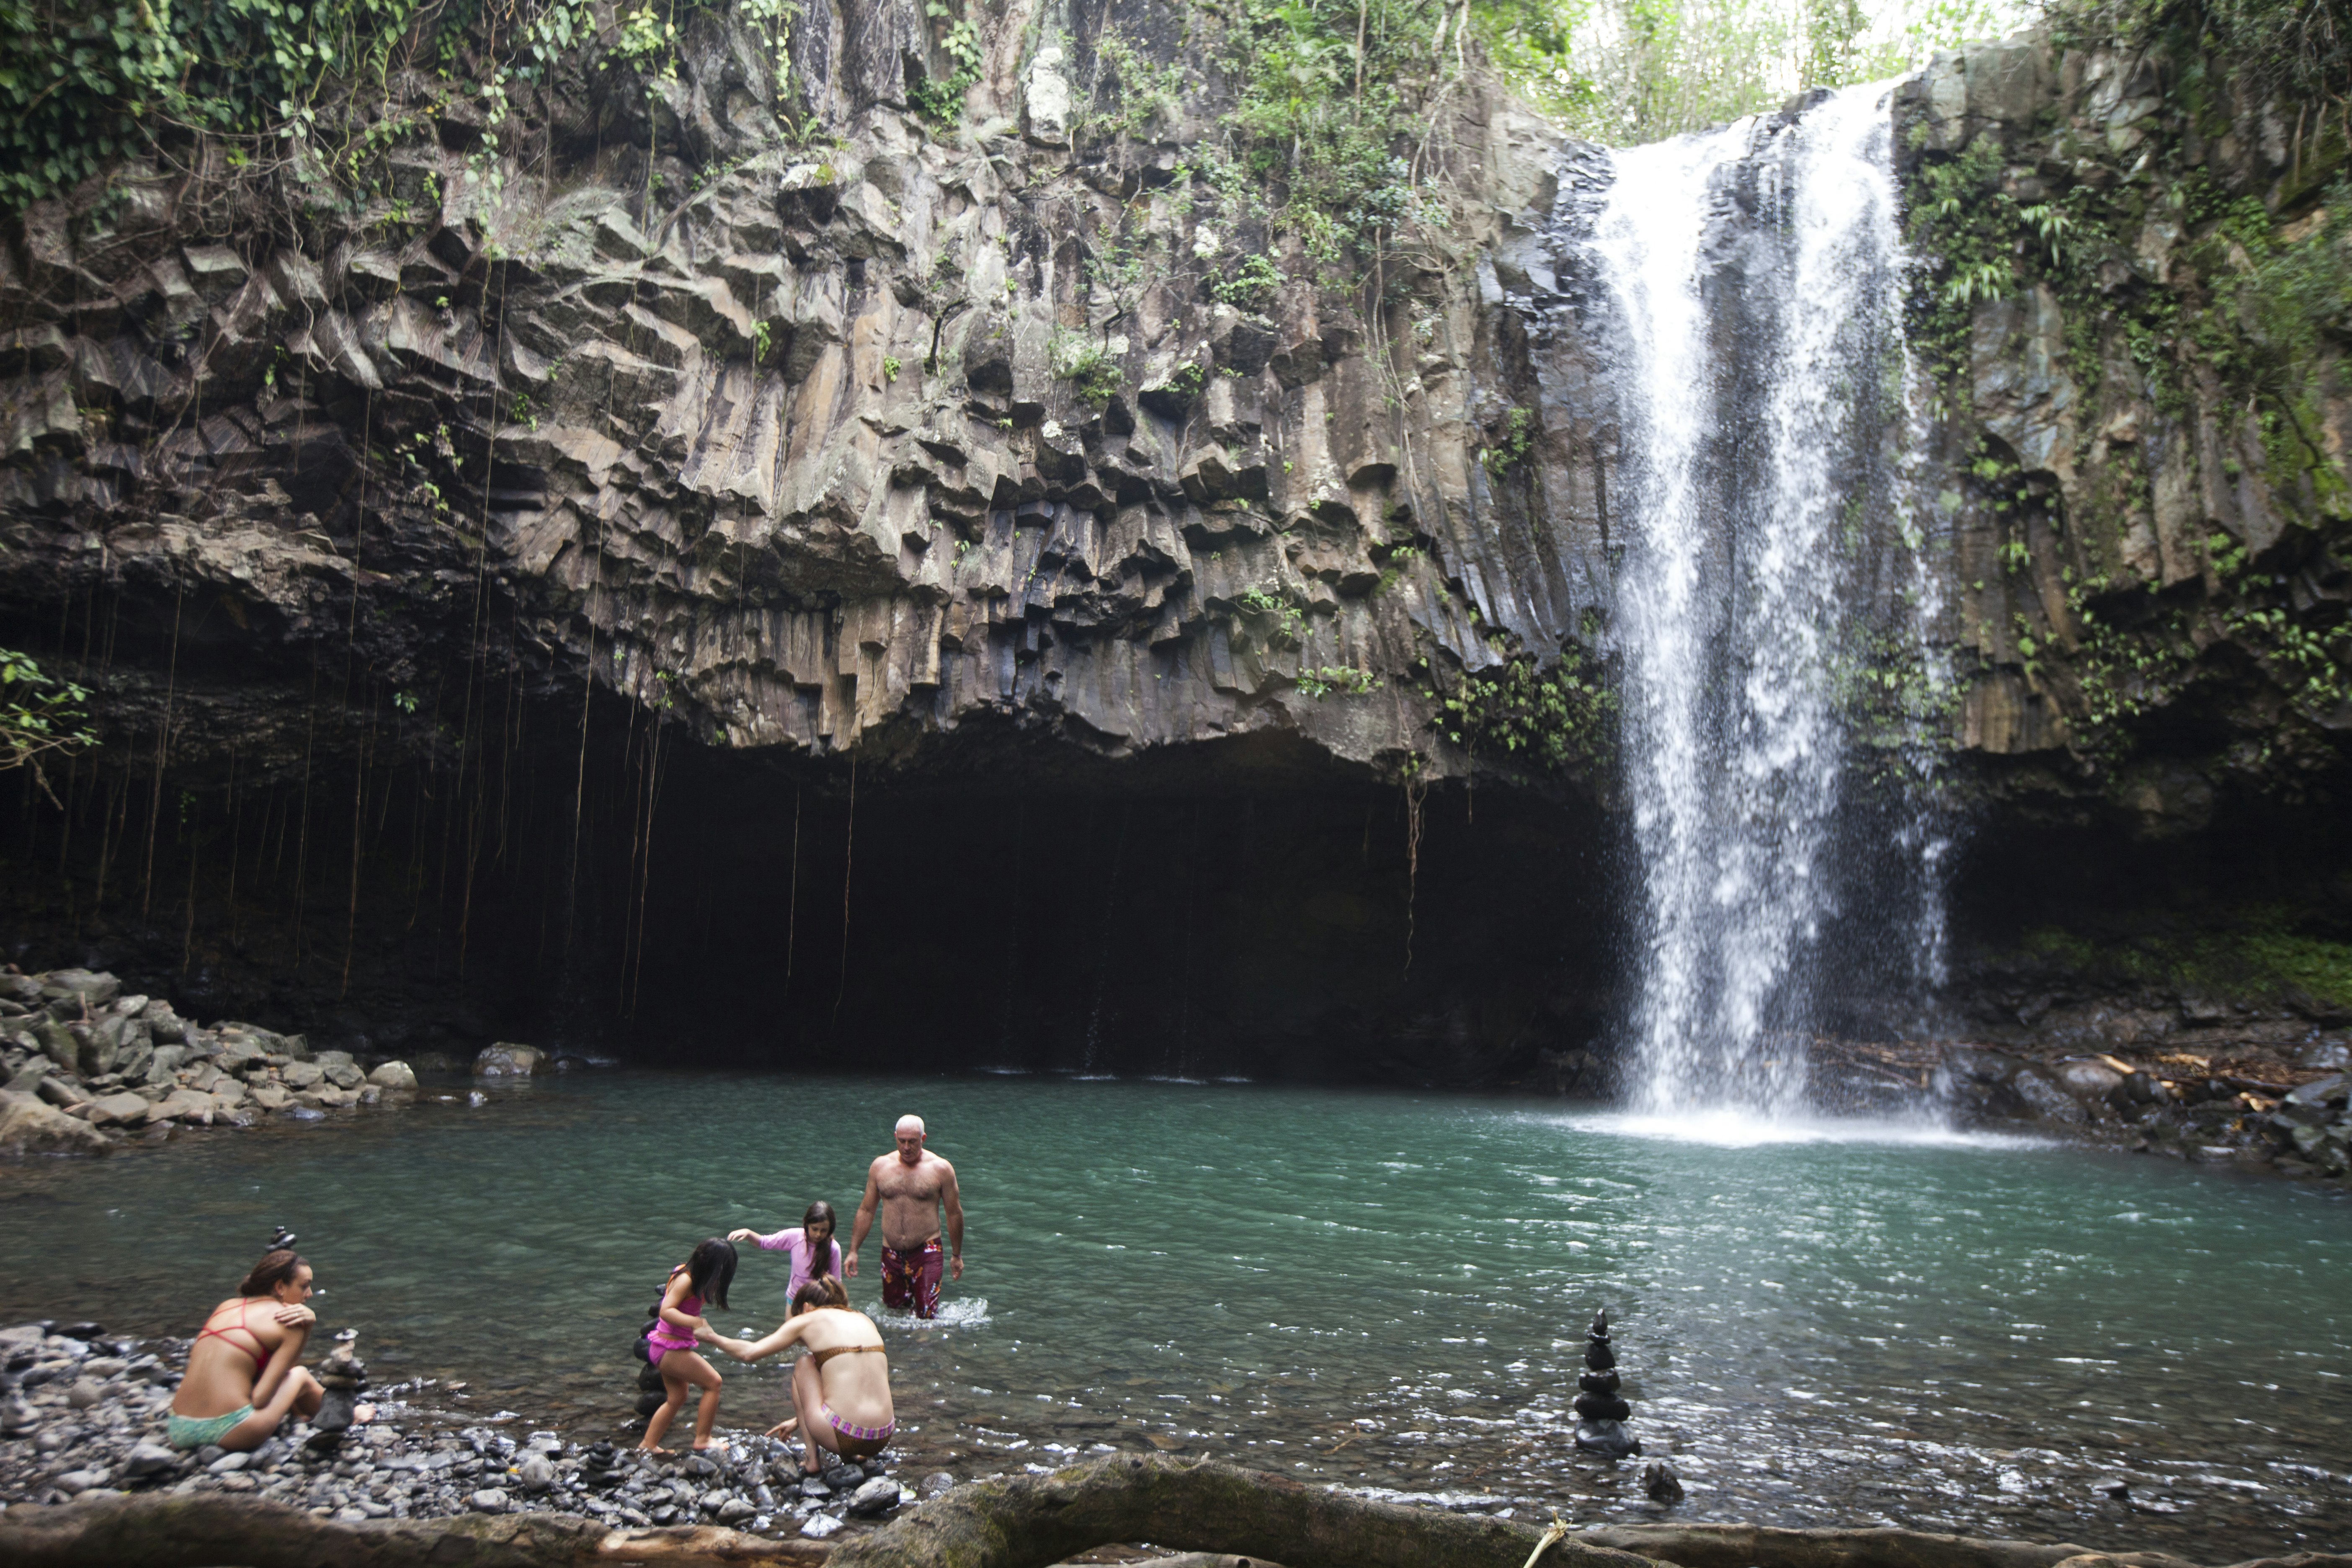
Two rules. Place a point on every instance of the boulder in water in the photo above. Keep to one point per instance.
(394, 1075)
(506, 1060)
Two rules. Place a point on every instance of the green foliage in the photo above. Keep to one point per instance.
(1890, 694)
(39, 715)
(1629, 71)
(2300, 50)
(1127, 93)
(1087, 365)
(2258, 954)
(1274, 605)
(1320, 683)
(1510, 448)
(1328, 115)
(1251, 286)
(1557, 719)
(80, 90)
(942, 98)
(890, 367)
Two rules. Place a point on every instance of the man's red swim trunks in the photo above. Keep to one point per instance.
(912, 1279)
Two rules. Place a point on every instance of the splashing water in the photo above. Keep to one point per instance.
(1756, 273)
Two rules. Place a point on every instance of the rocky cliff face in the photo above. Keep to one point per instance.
(2135, 308)
(495, 554)
(795, 426)
(854, 436)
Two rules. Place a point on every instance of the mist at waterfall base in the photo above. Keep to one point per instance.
(1775, 562)
(1374, 1290)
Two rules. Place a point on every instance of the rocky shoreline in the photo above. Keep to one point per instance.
(87, 1067)
(81, 1415)
(84, 1067)
(2296, 1120)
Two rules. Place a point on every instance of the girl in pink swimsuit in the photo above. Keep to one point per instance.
(671, 1344)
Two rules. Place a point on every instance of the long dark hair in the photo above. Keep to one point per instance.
(711, 1270)
(820, 1213)
(274, 1269)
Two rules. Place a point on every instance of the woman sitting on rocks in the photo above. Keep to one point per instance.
(241, 1367)
(842, 1387)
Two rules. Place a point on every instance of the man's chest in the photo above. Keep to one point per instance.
(903, 1185)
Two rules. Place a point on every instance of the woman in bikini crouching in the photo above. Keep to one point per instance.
(842, 1387)
(242, 1379)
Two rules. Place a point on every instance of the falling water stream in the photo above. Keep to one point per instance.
(1755, 274)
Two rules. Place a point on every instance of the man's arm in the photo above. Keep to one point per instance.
(952, 1201)
(864, 1222)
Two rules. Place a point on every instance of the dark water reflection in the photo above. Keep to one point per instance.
(1385, 1291)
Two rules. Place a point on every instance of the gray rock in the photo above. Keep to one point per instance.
(395, 1076)
(878, 1496)
(229, 1464)
(489, 1500)
(1607, 1438)
(506, 1060)
(2334, 1091)
(817, 1526)
(27, 1126)
(149, 1460)
(938, 1483)
(2089, 1079)
(1659, 1480)
(84, 1394)
(537, 1473)
(843, 1478)
(2045, 1098)
(73, 1483)
(735, 1511)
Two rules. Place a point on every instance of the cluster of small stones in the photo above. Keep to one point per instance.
(84, 1066)
(2303, 1131)
(83, 1414)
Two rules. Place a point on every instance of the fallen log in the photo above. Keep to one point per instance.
(1198, 1505)
(1762, 1546)
(162, 1530)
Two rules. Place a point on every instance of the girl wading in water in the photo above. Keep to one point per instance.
(809, 1244)
(670, 1344)
(842, 1387)
(242, 1379)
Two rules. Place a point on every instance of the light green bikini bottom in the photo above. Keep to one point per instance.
(188, 1433)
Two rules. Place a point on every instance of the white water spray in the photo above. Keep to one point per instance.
(1756, 273)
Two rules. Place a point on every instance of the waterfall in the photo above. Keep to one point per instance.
(1767, 511)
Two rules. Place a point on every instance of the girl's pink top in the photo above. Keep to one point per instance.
(795, 1241)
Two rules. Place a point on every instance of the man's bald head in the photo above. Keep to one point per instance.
(910, 1123)
(910, 1137)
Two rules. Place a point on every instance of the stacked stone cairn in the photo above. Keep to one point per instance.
(343, 1375)
(1600, 1410)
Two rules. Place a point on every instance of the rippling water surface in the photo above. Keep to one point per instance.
(1380, 1291)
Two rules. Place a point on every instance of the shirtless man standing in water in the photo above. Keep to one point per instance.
(913, 1186)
